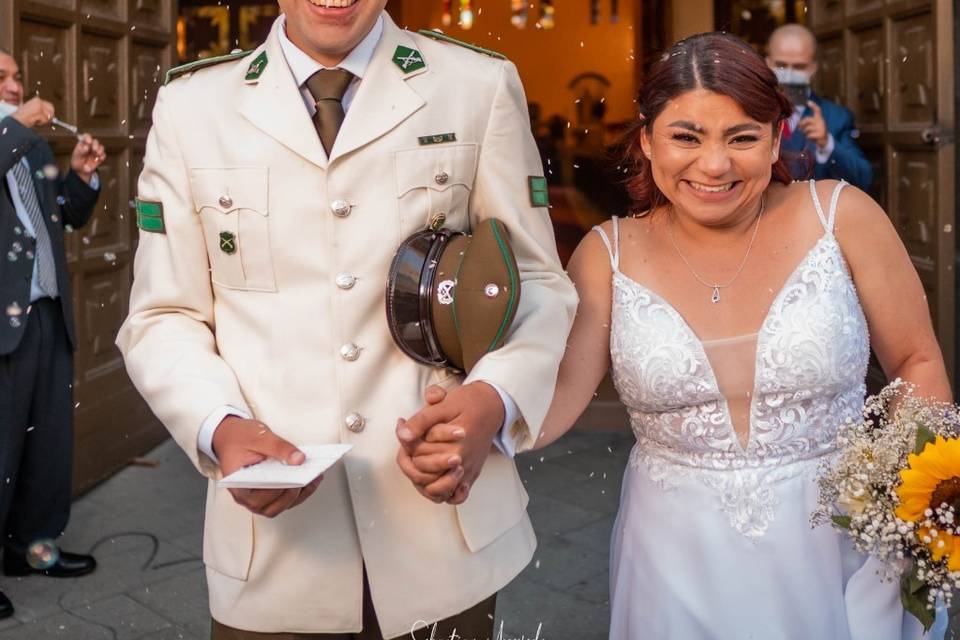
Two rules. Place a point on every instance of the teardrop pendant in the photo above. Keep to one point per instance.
(716, 295)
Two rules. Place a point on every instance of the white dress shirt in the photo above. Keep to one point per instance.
(822, 155)
(302, 66)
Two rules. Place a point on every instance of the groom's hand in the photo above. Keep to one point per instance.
(456, 428)
(239, 443)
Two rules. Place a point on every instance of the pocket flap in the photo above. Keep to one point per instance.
(496, 504)
(437, 168)
(227, 535)
(228, 189)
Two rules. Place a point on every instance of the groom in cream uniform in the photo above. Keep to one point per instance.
(268, 221)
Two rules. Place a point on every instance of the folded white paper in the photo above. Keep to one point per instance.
(273, 474)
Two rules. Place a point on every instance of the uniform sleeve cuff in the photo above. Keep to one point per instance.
(209, 427)
(504, 440)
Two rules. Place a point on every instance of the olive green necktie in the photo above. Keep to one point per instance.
(327, 87)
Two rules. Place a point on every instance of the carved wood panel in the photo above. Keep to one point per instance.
(100, 80)
(825, 14)
(831, 69)
(154, 14)
(44, 62)
(103, 8)
(912, 59)
(867, 101)
(855, 7)
(146, 75)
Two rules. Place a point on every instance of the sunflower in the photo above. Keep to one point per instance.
(931, 480)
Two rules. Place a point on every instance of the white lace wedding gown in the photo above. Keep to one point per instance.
(713, 539)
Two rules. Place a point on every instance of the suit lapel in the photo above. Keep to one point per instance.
(274, 105)
(384, 99)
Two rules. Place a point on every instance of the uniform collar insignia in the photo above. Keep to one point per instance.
(257, 66)
(409, 60)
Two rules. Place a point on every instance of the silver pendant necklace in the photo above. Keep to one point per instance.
(716, 286)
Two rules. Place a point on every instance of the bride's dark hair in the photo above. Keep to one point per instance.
(717, 62)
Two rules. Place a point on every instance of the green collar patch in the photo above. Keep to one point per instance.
(409, 60)
(150, 216)
(442, 37)
(256, 67)
(204, 62)
(228, 243)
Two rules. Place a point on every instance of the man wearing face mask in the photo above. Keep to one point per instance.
(277, 186)
(820, 132)
(37, 335)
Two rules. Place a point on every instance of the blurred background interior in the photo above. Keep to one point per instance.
(892, 62)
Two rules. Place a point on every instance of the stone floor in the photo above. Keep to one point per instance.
(145, 527)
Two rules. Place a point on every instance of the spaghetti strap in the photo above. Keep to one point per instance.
(833, 205)
(613, 248)
(816, 204)
(826, 220)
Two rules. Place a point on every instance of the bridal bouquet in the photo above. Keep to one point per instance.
(894, 487)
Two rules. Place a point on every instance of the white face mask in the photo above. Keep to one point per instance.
(7, 109)
(792, 76)
(795, 85)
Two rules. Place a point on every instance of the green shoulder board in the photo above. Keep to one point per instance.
(442, 37)
(203, 62)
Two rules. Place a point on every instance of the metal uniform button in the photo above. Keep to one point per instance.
(442, 177)
(345, 281)
(340, 208)
(355, 422)
(349, 352)
(226, 202)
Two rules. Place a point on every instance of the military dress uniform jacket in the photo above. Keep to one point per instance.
(262, 287)
(64, 200)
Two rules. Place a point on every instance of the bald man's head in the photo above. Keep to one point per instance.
(792, 46)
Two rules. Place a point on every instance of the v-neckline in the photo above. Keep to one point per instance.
(688, 328)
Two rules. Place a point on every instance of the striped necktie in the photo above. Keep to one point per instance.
(46, 268)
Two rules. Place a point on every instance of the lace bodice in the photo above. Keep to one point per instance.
(811, 358)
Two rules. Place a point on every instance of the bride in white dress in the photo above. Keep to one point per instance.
(737, 313)
(736, 316)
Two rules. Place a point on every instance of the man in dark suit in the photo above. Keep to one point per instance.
(37, 334)
(820, 132)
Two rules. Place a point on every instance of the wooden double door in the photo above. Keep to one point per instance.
(100, 62)
(893, 63)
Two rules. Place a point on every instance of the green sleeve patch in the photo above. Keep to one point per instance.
(204, 62)
(539, 195)
(150, 216)
(442, 37)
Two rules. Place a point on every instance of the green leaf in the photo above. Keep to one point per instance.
(924, 435)
(841, 521)
(913, 595)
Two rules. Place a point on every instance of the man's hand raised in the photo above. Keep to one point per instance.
(33, 113)
(239, 443)
(456, 431)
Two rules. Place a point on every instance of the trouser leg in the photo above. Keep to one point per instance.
(18, 372)
(40, 505)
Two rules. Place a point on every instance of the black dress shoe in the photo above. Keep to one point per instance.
(68, 565)
(6, 607)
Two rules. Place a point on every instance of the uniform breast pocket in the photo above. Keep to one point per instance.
(434, 184)
(232, 203)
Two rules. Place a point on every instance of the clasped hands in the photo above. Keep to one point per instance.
(443, 448)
